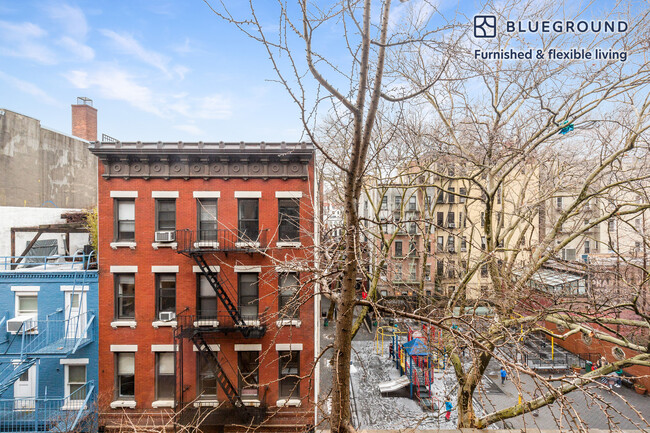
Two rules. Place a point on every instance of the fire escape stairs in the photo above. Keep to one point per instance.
(14, 372)
(205, 351)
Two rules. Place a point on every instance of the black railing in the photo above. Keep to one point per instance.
(220, 240)
(187, 325)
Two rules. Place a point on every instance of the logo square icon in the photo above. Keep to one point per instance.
(485, 26)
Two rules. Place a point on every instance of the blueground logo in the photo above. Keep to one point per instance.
(485, 26)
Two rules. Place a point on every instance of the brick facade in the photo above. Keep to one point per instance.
(144, 255)
(84, 122)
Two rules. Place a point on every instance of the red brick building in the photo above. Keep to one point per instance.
(206, 299)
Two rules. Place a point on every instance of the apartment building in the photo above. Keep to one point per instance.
(48, 343)
(433, 227)
(208, 303)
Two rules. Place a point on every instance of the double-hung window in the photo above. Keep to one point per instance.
(75, 376)
(207, 299)
(124, 296)
(206, 211)
(248, 374)
(289, 220)
(289, 374)
(289, 304)
(398, 249)
(165, 378)
(248, 295)
(125, 375)
(165, 293)
(207, 378)
(165, 215)
(124, 219)
(249, 219)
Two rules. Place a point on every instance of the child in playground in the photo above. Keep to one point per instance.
(448, 408)
(503, 375)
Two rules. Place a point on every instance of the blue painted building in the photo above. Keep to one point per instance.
(48, 344)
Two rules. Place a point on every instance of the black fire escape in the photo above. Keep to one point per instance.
(199, 329)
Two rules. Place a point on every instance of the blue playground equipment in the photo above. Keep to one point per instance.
(417, 360)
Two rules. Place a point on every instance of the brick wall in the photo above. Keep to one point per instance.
(84, 122)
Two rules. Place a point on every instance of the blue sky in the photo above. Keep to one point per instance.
(156, 70)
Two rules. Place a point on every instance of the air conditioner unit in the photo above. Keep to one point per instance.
(451, 225)
(166, 316)
(166, 236)
(21, 324)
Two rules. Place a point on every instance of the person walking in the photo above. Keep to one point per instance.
(503, 375)
(448, 408)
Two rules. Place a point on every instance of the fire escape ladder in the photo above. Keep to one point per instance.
(225, 384)
(213, 278)
(15, 371)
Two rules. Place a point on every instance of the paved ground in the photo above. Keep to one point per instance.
(620, 408)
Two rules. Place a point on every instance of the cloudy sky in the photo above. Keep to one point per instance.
(156, 70)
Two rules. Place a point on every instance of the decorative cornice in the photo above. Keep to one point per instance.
(204, 160)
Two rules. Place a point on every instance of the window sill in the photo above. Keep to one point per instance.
(125, 404)
(172, 245)
(206, 322)
(206, 244)
(249, 322)
(123, 244)
(30, 332)
(247, 244)
(285, 402)
(162, 403)
(159, 324)
(288, 322)
(74, 405)
(124, 323)
(206, 403)
(252, 402)
(288, 244)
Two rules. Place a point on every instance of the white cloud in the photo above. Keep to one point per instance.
(28, 87)
(71, 18)
(114, 83)
(25, 40)
(83, 52)
(190, 129)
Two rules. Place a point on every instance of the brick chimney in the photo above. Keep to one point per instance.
(84, 119)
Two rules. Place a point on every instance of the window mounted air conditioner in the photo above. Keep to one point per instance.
(21, 324)
(451, 225)
(166, 236)
(166, 316)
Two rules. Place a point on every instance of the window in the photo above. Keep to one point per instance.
(165, 215)
(463, 243)
(440, 268)
(587, 247)
(124, 220)
(207, 386)
(207, 299)
(427, 202)
(289, 220)
(384, 203)
(398, 202)
(451, 196)
(427, 273)
(413, 272)
(413, 248)
(440, 218)
(125, 296)
(248, 375)
(463, 193)
(288, 285)
(76, 381)
(558, 202)
(451, 219)
(451, 270)
(441, 197)
(398, 248)
(412, 203)
(165, 293)
(413, 228)
(249, 219)
(429, 247)
(248, 295)
(611, 225)
(499, 193)
(165, 378)
(482, 219)
(125, 377)
(483, 243)
(289, 374)
(451, 244)
(27, 305)
(206, 215)
(441, 243)
(484, 271)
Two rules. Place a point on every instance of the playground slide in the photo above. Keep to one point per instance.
(394, 385)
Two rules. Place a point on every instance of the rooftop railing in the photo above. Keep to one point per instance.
(79, 262)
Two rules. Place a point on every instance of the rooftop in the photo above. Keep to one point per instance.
(201, 148)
